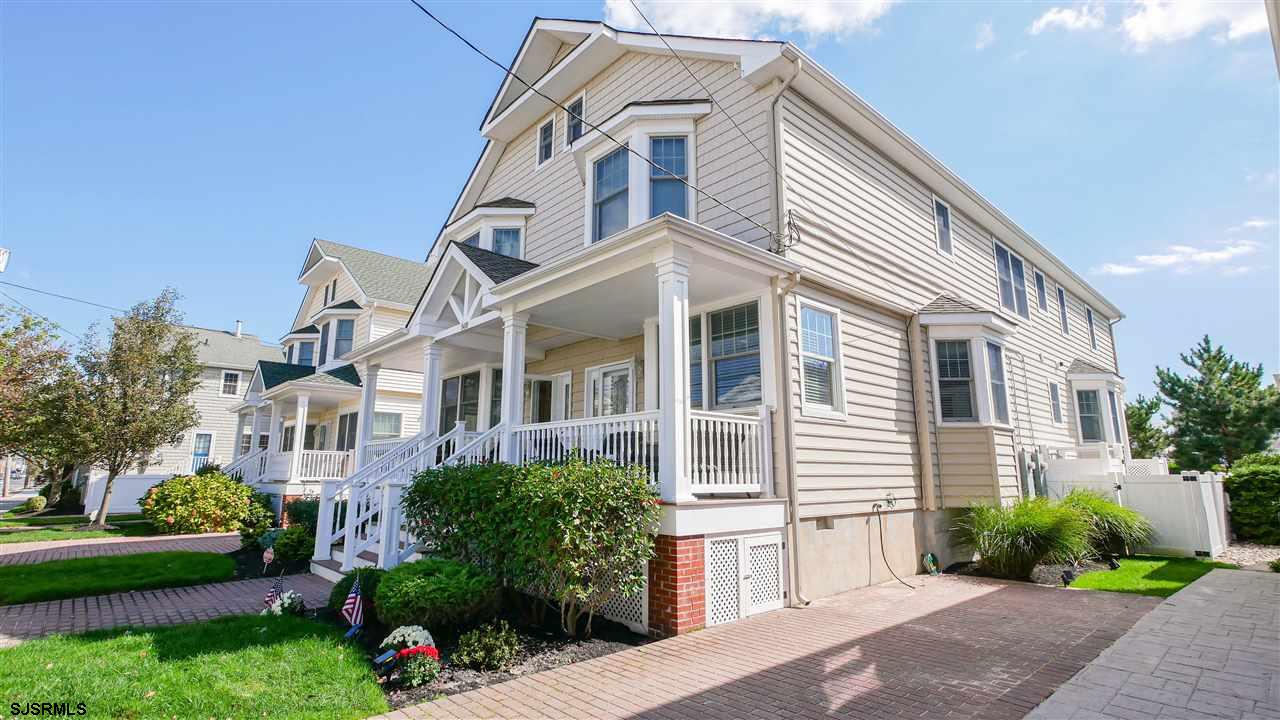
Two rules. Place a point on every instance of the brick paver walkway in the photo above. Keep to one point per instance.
(146, 608)
(34, 552)
(954, 648)
(1210, 651)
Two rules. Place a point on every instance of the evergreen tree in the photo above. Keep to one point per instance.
(1146, 440)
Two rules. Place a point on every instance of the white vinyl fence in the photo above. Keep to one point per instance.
(126, 492)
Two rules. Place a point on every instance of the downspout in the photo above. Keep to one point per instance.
(784, 333)
(924, 446)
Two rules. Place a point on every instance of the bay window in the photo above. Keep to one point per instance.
(609, 204)
(955, 381)
(970, 373)
(667, 176)
(306, 353)
(1115, 414)
(324, 343)
(999, 395)
(1089, 411)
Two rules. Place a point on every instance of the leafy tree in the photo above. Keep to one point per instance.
(1221, 412)
(139, 385)
(1145, 438)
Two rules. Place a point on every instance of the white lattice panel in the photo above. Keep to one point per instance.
(1146, 468)
(764, 584)
(632, 611)
(723, 581)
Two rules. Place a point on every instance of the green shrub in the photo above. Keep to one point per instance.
(304, 511)
(1012, 540)
(439, 594)
(294, 544)
(211, 502)
(369, 579)
(1113, 529)
(1254, 487)
(210, 469)
(492, 647)
(258, 519)
(1274, 565)
(578, 532)
(35, 504)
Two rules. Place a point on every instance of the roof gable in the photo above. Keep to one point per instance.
(462, 278)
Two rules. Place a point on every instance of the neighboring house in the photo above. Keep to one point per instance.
(227, 360)
(808, 368)
(353, 297)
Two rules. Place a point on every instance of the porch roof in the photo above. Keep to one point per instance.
(498, 267)
(275, 374)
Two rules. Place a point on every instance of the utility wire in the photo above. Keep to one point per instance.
(33, 312)
(584, 121)
(64, 297)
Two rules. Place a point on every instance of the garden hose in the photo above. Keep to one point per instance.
(885, 555)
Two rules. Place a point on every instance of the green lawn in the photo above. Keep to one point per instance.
(17, 519)
(1149, 575)
(241, 667)
(79, 577)
(68, 532)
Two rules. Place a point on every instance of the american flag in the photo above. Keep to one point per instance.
(277, 589)
(353, 608)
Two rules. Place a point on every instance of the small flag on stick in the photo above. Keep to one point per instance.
(353, 608)
(277, 589)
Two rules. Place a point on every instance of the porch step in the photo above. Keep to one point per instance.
(330, 570)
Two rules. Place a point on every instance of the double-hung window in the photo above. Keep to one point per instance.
(1055, 402)
(735, 356)
(667, 189)
(324, 343)
(246, 443)
(1062, 311)
(495, 397)
(506, 241)
(955, 381)
(286, 439)
(288, 355)
(306, 353)
(230, 383)
(460, 401)
(546, 133)
(348, 424)
(386, 425)
(609, 201)
(999, 394)
(1089, 410)
(942, 225)
(1042, 294)
(1012, 279)
(573, 121)
(818, 347)
(1093, 333)
(1115, 414)
(342, 338)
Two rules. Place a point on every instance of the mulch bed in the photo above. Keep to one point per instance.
(249, 564)
(1044, 574)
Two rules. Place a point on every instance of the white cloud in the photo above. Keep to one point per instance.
(986, 36)
(1255, 223)
(1166, 21)
(1237, 270)
(1088, 16)
(1262, 179)
(1185, 259)
(749, 18)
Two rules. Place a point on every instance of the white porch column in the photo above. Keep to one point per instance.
(235, 449)
(299, 435)
(651, 364)
(514, 328)
(431, 360)
(673, 375)
(253, 432)
(368, 403)
(273, 432)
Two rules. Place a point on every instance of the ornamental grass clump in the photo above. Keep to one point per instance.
(1011, 541)
(1113, 529)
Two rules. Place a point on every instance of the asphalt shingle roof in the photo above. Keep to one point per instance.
(344, 305)
(308, 330)
(505, 202)
(381, 277)
(1080, 367)
(278, 373)
(499, 268)
(948, 304)
(221, 348)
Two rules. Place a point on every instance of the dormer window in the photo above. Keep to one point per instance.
(667, 189)
(344, 333)
(473, 240)
(610, 204)
(506, 241)
(306, 353)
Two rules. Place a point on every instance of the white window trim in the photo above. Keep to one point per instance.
(837, 408)
(1026, 298)
(222, 383)
(587, 392)
(485, 223)
(937, 231)
(636, 134)
(519, 228)
(538, 162)
(1091, 324)
(213, 442)
(1061, 421)
(979, 367)
(1038, 278)
(486, 391)
(1103, 385)
(1064, 312)
(585, 129)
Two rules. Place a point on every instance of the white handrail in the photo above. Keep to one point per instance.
(727, 452)
(484, 448)
(248, 466)
(630, 439)
(324, 464)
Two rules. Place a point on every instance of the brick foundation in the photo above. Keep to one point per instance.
(677, 586)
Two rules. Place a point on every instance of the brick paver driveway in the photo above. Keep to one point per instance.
(1210, 651)
(169, 606)
(34, 552)
(954, 648)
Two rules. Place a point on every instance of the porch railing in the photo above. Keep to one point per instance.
(248, 466)
(483, 447)
(630, 439)
(730, 453)
(375, 449)
(324, 464)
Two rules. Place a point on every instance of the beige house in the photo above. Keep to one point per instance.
(810, 362)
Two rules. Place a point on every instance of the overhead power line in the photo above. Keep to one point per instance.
(47, 319)
(64, 297)
(595, 127)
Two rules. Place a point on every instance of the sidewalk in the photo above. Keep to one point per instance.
(42, 551)
(148, 608)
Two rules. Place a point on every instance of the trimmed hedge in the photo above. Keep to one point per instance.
(211, 502)
(294, 544)
(439, 594)
(304, 511)
(1254, 487)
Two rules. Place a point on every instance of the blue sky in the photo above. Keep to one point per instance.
(202, 145)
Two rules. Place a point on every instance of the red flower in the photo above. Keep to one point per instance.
(428, 650)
